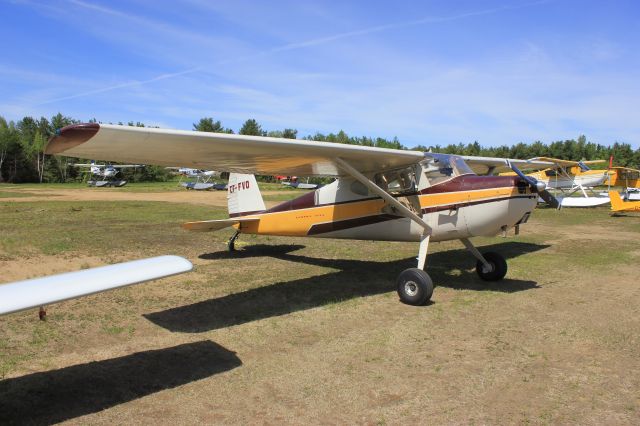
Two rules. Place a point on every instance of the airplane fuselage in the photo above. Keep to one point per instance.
(460, 207)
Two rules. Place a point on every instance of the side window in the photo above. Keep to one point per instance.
(397, 181)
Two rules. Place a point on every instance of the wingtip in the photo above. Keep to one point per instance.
(71, 136)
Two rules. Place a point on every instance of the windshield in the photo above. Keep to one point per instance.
(443, 167)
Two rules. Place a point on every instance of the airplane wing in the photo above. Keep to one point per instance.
(221, 152)
(491, 165)
(215, 225)
(566, 163)
(21, 295)
(126, 166)
(87, 165)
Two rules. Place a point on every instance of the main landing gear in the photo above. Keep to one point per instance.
(416, 288)
(231, 244)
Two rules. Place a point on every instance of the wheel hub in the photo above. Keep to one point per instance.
(411, 288)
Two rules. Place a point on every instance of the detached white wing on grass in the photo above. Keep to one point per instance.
(21, 295)
(221, 152)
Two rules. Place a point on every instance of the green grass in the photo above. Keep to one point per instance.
(10, 194)
(96, 227)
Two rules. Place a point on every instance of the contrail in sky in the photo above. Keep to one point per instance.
(286, 47)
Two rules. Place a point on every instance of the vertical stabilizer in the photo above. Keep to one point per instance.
(616, 201)
(243, 195)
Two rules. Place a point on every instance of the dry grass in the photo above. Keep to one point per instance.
(311, 331)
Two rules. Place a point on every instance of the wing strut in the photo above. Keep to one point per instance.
(403, 210)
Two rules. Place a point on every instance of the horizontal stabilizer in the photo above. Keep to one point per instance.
(215, 225)
(21, 295)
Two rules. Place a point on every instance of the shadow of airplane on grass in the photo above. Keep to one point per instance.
(355, 278)
(70, 392)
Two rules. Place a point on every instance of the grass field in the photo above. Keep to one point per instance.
(311, 331)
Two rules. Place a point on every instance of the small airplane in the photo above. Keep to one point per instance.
(202, 178)
(39, 292)
(618, 205)
(294, 182)
(379, 194)
(570, 177)
(626, 178)
(106, 172)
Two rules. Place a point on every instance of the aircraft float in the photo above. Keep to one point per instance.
(378, 194)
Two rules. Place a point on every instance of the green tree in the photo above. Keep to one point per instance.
(251, 127)
(207, 124)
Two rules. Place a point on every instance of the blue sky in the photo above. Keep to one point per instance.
(498, 72)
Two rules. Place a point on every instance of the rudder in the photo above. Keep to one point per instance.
(243, 195)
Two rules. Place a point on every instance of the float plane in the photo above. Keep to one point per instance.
(378, 194)
(570, 177)
(626, 178)
(202, 178)
(107, 173)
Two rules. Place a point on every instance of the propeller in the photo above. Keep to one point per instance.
(537, 186)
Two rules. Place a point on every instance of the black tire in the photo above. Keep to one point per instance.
(414, 287)
(498, 270)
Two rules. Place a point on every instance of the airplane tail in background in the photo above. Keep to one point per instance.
(617, 203)
(243, 195)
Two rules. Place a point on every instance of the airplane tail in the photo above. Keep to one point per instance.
(616, 201)
(243, 195)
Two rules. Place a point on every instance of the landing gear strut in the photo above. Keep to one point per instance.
(231, 244)
(491, 266)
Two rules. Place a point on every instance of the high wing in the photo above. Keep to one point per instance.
(222, 152)
(87, 165)
(21, 295)
(491, 165)
(566, 163)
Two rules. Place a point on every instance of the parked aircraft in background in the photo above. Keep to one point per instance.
(107, 173)
(202, 178)
(378, 194)
(569, 177)
(627, 178)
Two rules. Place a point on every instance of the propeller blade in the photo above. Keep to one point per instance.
(537, 186)
(550, 199)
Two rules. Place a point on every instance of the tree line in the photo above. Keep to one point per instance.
(22, 145)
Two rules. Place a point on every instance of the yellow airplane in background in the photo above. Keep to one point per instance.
(624, 177)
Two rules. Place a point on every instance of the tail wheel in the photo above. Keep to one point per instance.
(498, 267)
(414, 287)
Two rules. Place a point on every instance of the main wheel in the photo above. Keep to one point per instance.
(414, 286)
(498, 267)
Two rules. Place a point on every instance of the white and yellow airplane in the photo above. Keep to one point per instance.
(627, 178)
(570, 177)
(378, 194)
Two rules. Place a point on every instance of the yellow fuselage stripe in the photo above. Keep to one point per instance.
(298, 222)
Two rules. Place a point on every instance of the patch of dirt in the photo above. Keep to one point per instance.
(210, 198)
